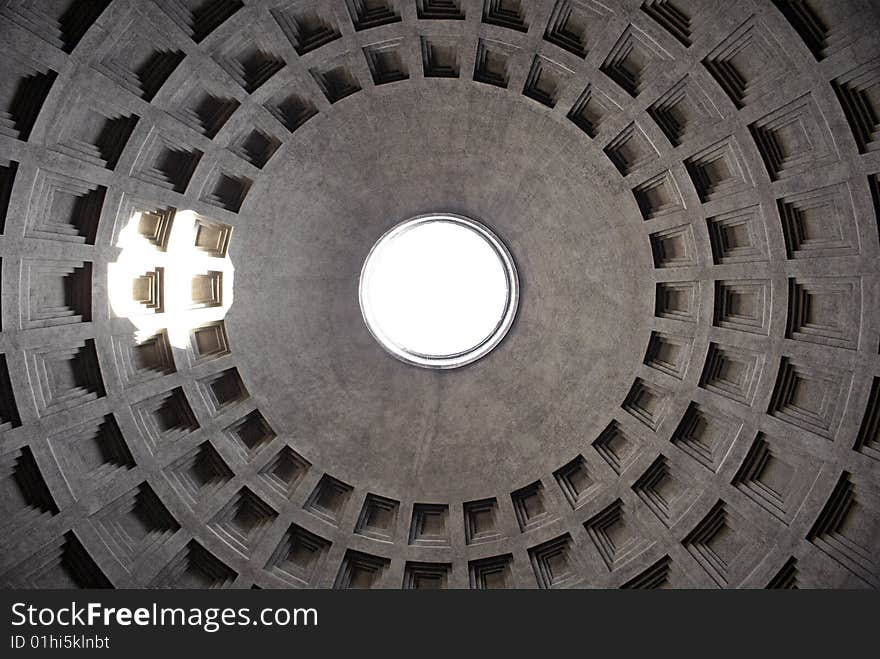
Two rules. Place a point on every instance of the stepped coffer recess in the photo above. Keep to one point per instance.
(439, 291)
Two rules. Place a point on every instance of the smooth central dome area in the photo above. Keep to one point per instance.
(438, 291)
(417, 434)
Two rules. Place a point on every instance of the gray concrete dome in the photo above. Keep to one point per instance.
(690, 393)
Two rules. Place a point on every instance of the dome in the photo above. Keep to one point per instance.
(680, 384)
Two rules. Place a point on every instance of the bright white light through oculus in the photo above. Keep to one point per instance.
(177, 285)
(439, 291)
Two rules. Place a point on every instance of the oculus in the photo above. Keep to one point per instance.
(439, 291)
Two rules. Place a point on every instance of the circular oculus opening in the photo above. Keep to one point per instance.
(439, 291)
